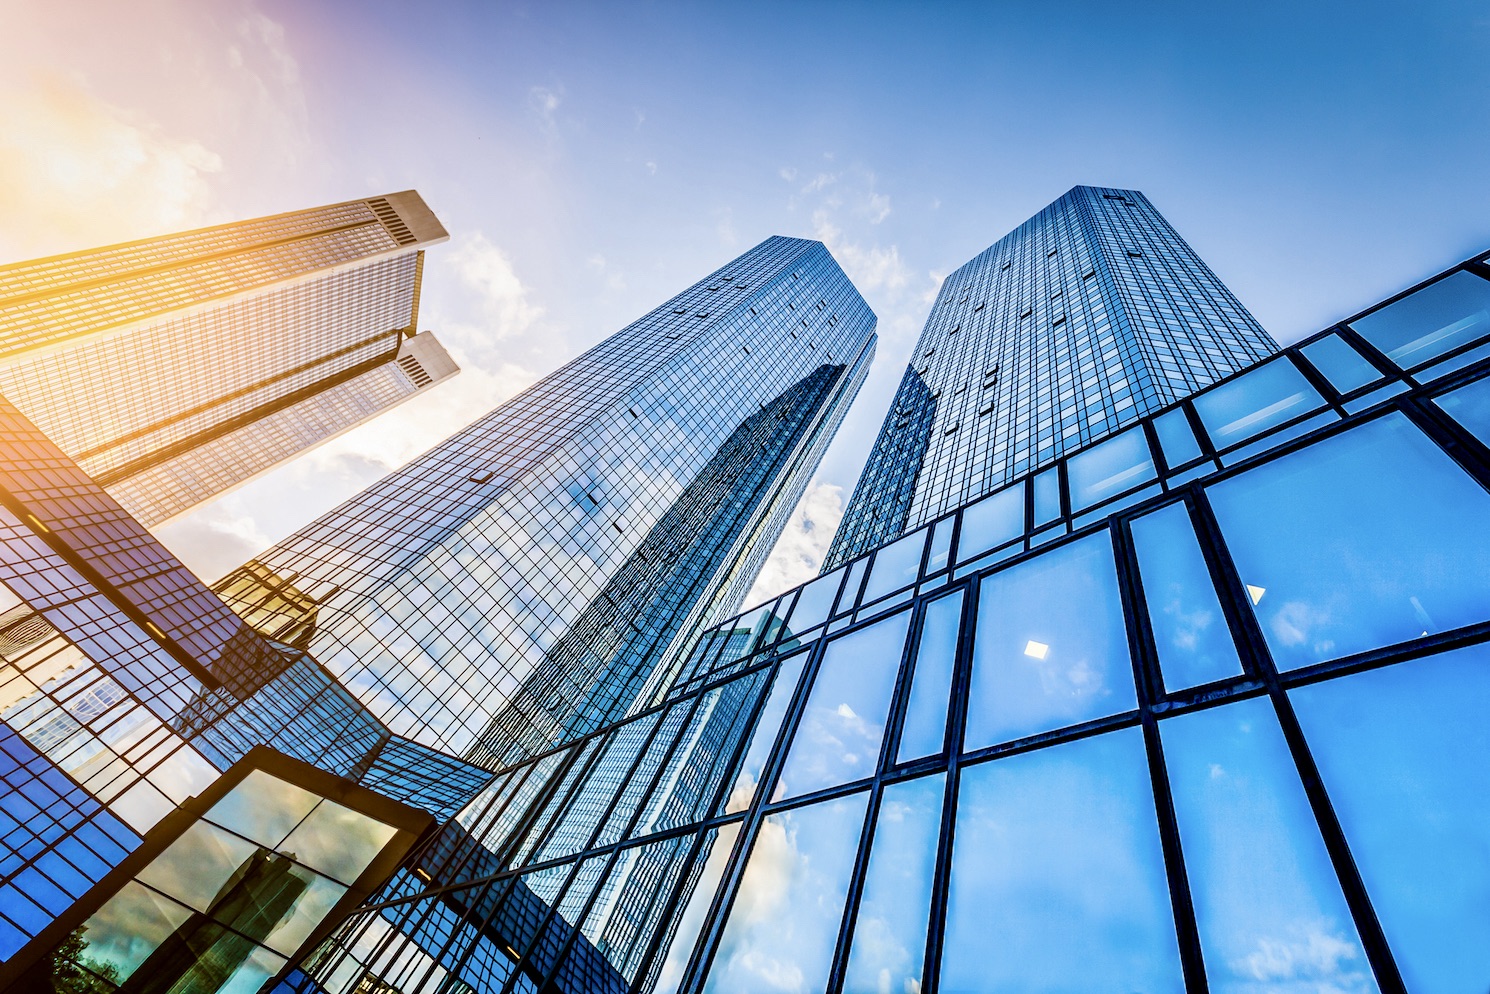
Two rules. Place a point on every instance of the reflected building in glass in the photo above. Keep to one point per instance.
(1090, 315)
(175, 368)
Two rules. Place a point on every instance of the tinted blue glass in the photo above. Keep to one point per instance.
(1116, 465)
(895, 566)
(848, 598)
(838, 738)
(1190, 631)
(1057, 876)
(814, 602)
(1437, 318)
(1470, 406)
(1050, 647)
(990, 522)
(715, 856)
(766, 730)
(1047, 496)
(889, 943)
(941, 545)
(784, 920)
(1267, 902)
(1252, 403)
(1361, 540)
(923, 730)
(1176, 438)
(1343, 366)
(1405, 755)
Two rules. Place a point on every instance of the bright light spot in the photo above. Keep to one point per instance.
(1255, 592)
(1036, 649)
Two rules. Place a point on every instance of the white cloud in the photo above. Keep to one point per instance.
(1314, 954)
(787, 173)
(213, 541)
(872, 268)
(545, 101)
(651, 167)
(485, 269)
(820, 182)
(878, 207)
(799, 554)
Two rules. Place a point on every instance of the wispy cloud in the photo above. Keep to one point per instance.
(804, 542)
(872, 267)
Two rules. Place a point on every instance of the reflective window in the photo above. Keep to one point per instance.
(838, 738)
(1404, 752)
(1365, 539)
(1267, 902)
(1436, 319)
(923, 730)
(263, 808)
(1057, 875)
(941, 545)
(1252, 403)
(338, 841)
(1106, 470)
(714, 855)
(1190, 631)
(1047, 496)
(850, 595)
(1343, 366)
(990, 522)
(889, 941)
(1470, 406)
(766, 730)
(815, 601)
(784, 921)
(1176, 438)
(1050, 648)
(895, 566)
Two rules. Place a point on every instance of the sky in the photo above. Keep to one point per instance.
(591, 160)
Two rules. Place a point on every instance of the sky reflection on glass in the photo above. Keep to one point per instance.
(1470, 406)
(923, 730)
(263, 808)
(338, 841)
(1343, 366)
(1050, 648)
(1190, 632)
(1252, 403)
(1404, 752)
(843, 724)
(1267, 902)
(1176, 438)
(889, 944)
(784, 921)
(130, 926)
(1362, 540)
(194, 867)
(1112, 467)
(1430, 322)
(991, 522)
(766, 730)
(1057, 875)
(814, 602)
(895, 566)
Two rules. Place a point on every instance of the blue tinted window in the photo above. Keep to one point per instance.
(1343, 366)
(766, 730)
(895, 566)
(1470, 406)
(784, 921)
(1190, 631)
(941, 545)
(990, 522)
(1436, 319)
(889, 944)
(1113, 467)
(1252, 403)
(1405, 755)
(1050, 647)
(1365, 539)
(1176, 438)
(715, 856)
(838, 738)
(1047, 496)
(923, 730)
(1267, 902)
(814, 602)
(1057, 876)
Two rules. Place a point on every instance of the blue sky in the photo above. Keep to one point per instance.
(590, 160)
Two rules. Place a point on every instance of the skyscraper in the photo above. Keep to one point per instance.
(1088, 316)
(531, 577)
(175, 368)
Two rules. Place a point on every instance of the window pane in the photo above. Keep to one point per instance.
(1113, 467)
(838, 738)
(766, 730)
(1057, 875)
(1176, 438)
(941, 545)
(1050, 648)
(1361, 540)
(263, 808)
(1267, 902)
(889, 944)
(1404, 752)
(895, 566)
(194, 867)
(1047, 496)
(338, 841)
(923, 731)
(1254, 402)
(715, 854)
(815, 601)
(1470, 406)
(990, 522)
(1343, 366)
(1436, 319)
(1190, 631)
(784, 921)
(128, 928)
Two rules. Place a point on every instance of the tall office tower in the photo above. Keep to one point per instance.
(175, 368)
(1205, 715)
(1088, 316)
(540, 571)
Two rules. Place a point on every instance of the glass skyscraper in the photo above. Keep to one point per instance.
(524, 580)
(175, 368)
(1088, 316)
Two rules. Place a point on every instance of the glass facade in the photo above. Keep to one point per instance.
(1085, 318)
(175, 368)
